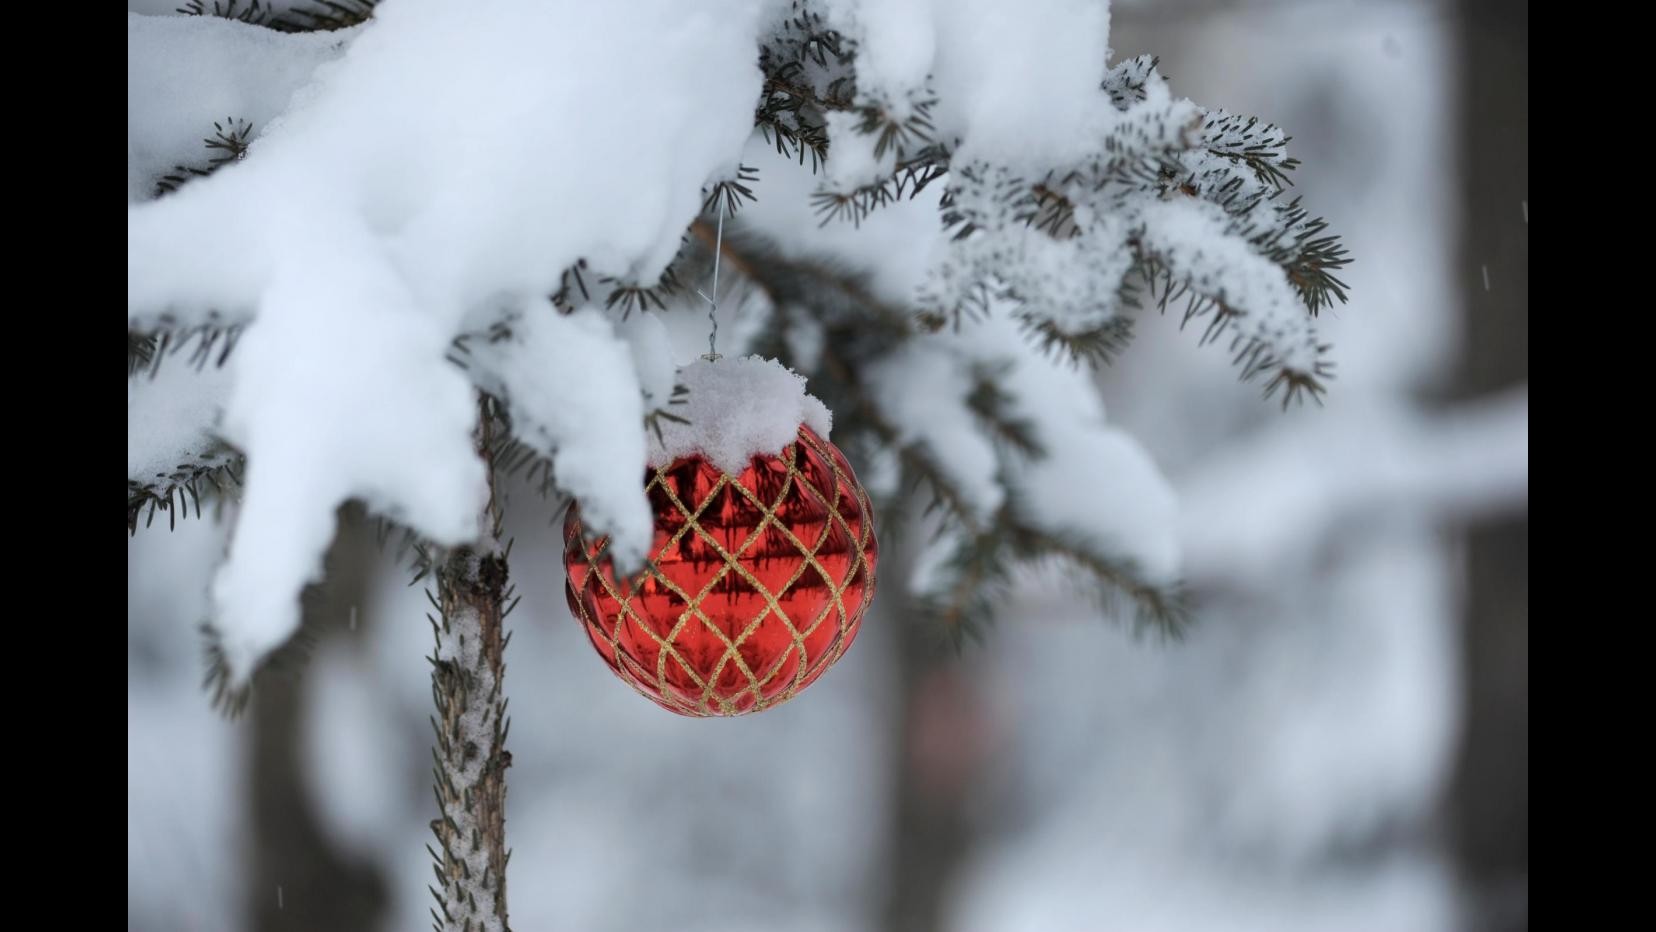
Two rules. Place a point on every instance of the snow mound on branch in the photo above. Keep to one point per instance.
(170, 416)
(184, 73)
(574, 383)
(1096, 484)
(738, 409)
(923, 393)
(1092, 484)
(453, 161)
(1016, 82)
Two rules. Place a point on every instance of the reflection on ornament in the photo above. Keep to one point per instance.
(757, 584)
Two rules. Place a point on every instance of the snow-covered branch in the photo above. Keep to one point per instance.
(441, 162)
(380, 213)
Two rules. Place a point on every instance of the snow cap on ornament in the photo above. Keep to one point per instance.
(762, 564)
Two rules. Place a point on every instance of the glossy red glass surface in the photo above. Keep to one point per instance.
(758, 581)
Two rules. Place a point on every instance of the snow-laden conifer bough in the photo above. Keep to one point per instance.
(350, 217)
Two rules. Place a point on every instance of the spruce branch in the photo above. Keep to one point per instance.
(321, 604)
(988, 550)
(515, 459)
(229, 698)
(908, 179)
(727, 195)
(627, 294)
(509, 456)
(140, 351)
(807, 68)
(1307, 257)
(211, 476)
(1235, 166)
(978, 577)
(229, 142)
(327, 15)
(1127, 81)
(979, 574)
(571, 282)
(806, 38)
(210, 341)
(631, 296)
(253, 13)
(953, 506)
(790, 117)
(993, 406)
(208, 474)
(314, 16)
(897, 132)
(1257, 353)
(1093, 346)
(410, 547)
(1162, 609)
(1250, 142)
(787, 81)
(1049, 210)
(656, 415)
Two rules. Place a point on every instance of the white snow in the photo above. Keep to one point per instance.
(896, 42)
(1017, 82)
(341, 391)
(184, 73)
(1095, 482)
(851, 162)
(738, 409)
(1072, 282)
(453, 161)
(171, 415)
(893, 246)
(652, 357)
(922, 393)
(573, 391)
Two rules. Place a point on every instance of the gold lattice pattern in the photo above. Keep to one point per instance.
(757, 584)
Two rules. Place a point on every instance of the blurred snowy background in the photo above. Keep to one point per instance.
(1339, 744)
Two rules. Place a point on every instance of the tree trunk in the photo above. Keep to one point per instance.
(299, 879)
(467, 669)
(931, 834)
(938, 729)
(1489, 801)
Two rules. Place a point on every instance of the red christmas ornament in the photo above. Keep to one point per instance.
(758, 582)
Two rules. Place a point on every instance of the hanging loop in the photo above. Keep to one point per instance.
(712, 353)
